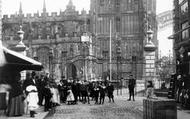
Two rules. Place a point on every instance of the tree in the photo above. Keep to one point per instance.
(165, 68)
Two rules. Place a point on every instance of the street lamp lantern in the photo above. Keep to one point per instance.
(149, 45)
(51, 53)
(118, 50)
(149, 34)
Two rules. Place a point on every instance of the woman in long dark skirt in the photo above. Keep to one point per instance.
(15, 105)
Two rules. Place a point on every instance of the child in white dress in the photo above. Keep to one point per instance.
(32, 99)
(70, 96)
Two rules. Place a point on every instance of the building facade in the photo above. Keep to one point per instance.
(181, 35)
(165, 27)
(125, 21)
(181, 38)
(55, 40)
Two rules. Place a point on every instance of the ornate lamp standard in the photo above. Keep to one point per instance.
(118, 58)
(149, 52)
(85, 39)
(51, 61)
(21, 48)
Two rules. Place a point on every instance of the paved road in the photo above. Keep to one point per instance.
(121, 109)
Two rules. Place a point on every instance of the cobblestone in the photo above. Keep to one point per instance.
(121, 109)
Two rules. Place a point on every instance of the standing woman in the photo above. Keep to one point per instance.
(15, 105)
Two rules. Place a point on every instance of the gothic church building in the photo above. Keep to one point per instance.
(56, 40)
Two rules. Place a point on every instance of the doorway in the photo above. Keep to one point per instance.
(71, 71)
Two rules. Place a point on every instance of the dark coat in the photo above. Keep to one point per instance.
(132, 83)
(110, 89)
(28, 82)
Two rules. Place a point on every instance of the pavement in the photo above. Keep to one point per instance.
(120, 109)
(182, 113)
(40, 115)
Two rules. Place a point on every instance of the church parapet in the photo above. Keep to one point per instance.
(29, 16)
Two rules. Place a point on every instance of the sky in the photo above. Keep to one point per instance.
(32, 6)
(165, 44)
(164, 5)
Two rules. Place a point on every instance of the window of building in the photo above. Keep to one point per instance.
(180, 1)
(185, 33)
(184, 8)
(64, 54)
(105, 54)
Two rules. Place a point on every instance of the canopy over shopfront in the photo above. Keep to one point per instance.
(19, 61)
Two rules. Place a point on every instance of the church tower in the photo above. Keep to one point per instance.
(122, 20)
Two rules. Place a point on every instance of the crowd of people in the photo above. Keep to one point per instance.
(41, 90)
(73, 91)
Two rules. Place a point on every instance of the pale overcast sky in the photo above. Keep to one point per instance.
(164, 5)
(32, 6)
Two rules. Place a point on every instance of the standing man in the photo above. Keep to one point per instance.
(131, 86)
(41, 83)
(110, 90)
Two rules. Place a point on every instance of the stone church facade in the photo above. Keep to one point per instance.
(56, 40)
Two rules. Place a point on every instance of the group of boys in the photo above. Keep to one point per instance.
(84, 91)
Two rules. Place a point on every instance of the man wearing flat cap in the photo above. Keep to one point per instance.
(131, 87)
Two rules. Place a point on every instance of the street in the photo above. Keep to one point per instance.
(121, 109)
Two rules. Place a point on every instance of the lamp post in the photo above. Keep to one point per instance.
(85, 38)
(84, 67)
(51, 61)
(63, 68)
(110, 42)
(21, 48)
(149, 50)
(118, 58)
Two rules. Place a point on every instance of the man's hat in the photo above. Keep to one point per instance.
(33, 73)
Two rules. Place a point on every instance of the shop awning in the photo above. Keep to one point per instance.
(20, 61)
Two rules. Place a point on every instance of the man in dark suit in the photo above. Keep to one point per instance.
(110, 90)
(30, 80)
(131, 86)
(41, 83)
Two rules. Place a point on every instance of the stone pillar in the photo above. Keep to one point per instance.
(21, 48)
(149, 57)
